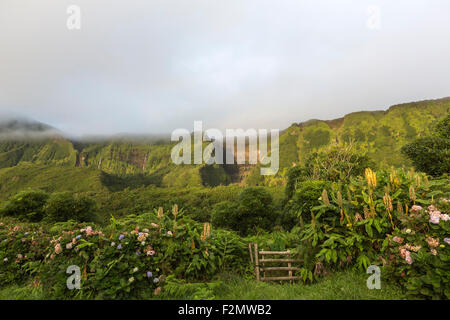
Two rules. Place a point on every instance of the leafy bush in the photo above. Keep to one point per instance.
(254, 210)
(22, 247)
(118, 262)
(431, 154)
(419, 253)
(307, 196)
(64, 206)
(26, 205)
(336, 163)
(350, 226)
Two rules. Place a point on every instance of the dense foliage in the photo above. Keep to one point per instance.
(336, 163)
(127, 259)
(57, 207)
(26, 205)
(254, 210)
(350, 227)
(432, 154)
(64, 206)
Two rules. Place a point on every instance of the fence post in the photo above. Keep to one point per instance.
(257, 261)
(290, 265)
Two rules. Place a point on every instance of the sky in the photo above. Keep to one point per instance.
(150, 66)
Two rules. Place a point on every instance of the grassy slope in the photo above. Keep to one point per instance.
(48, 178)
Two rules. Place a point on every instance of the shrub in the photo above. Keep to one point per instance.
(64, 206)
(349, 228)
(26, 205)
(253, 210)
(419, 252)
(431, 154)
(307, 196)
(119, 262)
(337, 163)
(224, 214)
(295, 175)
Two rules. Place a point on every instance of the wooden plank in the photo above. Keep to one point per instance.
(280, 269)
(256, 262)
(280, 260)
(251, 254)
(275, 252)
(280, 278)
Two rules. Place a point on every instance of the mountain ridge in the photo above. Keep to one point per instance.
(380, 134)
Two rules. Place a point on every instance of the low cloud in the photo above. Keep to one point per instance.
(153, 66)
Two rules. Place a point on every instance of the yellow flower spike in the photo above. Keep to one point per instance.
(412, 194)
(339, 199)
(325, 199)
(206, 231)
(175, 210)
(160, 212)
(389, 208)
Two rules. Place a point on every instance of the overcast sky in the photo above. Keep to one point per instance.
(148, 66)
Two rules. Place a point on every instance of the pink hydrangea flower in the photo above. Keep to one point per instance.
(58, 248)
(397, 239)
(434, 219)
(89, 231)
(408, 258)
(416, 208)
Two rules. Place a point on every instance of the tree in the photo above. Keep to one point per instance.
(253, 210)
(26, 205)
(64, 206)
(336, 163)
(431, 154)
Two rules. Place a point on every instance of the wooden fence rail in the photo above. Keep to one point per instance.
(260, 264)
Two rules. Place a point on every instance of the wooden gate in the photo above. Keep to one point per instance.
(260, 260)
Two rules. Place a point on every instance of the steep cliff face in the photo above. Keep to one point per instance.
(380, 134)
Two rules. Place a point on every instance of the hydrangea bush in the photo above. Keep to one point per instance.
(118, 262)
(418, 256)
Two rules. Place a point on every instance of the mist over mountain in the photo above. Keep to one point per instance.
(22, 128)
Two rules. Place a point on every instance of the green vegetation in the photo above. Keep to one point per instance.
(346, 285)
(379, 135)
(432, 154)
(140, 227)
(63, 206)
(253, 210)
(28, 205)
